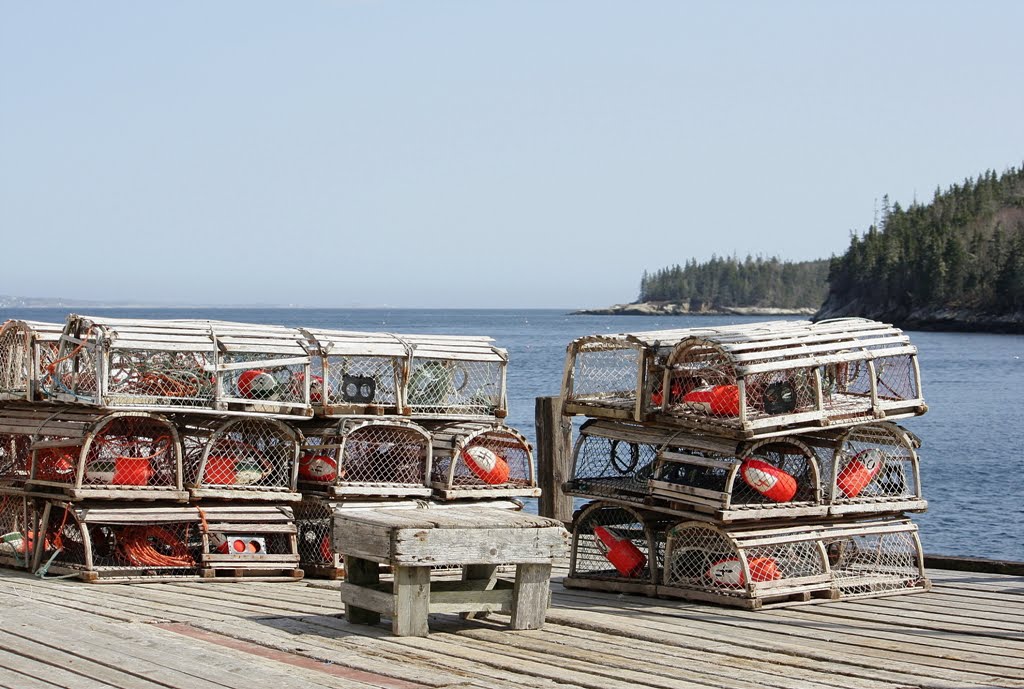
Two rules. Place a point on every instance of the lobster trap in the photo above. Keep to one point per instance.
(83, 454)
(870, 468)
(15, 455)
(772, 378)
(240, 458)
(481, 460)
(427, 376)
(166, 543)
(616, 548)
(366, 457)
(876, 559)
(746, 567)
(182, 365)
(763, 479)
(27, 350)
(614, 460)
(19, 524)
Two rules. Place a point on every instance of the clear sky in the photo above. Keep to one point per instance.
(474, 154)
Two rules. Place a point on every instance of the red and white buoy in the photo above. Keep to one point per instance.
(486, 465)
(320, 468)
(257, 384)
(729, 572)
(768, 480)
(860, 471)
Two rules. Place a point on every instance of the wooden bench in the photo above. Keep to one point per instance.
(478, 539)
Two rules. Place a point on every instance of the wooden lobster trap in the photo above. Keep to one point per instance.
(427, 376)
(873, 559)
(112, 544)
(763, 479)
(744, 566)
(240, 458)
(19, 524)
(769, 379)
(27, 349)
(15, 453)
(366, 457)
(182, 365)
(616, 548)
(90, 454)
(481, 460)
(870, 468)
(615, 460)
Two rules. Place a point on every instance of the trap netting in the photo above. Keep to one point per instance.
(266, 382)
(123, 455)
(615, 460)
(870, 468)
(359, 373)
(167, 379)
(366, 457)
(473, 459)
(120, 543)
(314, 522)
(747, 568)
(763, 479)
(456, 387)
(15, 458)
(877, 559)
(771, 377)
(27, 348)
(18, 528)
(615, 543)
(251, 458)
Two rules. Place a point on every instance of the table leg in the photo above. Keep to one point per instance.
(412, 601)
(530, 596)
(488, 573)
(362, 573)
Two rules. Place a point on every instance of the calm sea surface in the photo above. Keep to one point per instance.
(972, 434)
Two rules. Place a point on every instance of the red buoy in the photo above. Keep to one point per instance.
(317, 468)
(768, 480)
(132, 471)
(729, 572)
(720, 400)
(627, 559)
(486, 464)
(860, 471)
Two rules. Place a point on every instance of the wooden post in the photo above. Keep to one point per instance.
(554, 458)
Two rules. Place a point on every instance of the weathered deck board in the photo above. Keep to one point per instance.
(967, 632)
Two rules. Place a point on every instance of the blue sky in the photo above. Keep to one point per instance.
(474, 154)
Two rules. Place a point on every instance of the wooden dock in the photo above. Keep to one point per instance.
(967, 632)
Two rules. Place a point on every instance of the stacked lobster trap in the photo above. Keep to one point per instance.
(747, 465)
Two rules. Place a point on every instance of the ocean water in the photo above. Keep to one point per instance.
(973, 434)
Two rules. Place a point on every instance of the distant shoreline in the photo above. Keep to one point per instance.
(679, 309)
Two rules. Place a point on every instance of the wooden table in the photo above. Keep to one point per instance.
(412, 542)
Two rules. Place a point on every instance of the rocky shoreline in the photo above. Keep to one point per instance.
(671, 308)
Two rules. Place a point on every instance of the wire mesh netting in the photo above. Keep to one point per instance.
(363, 380)
(17, 529)
(15, 362)
(454, 387)
(149, 377)
(75, 371)
(702, 383)
(873, 564)
(615, 543)
(371, 457)
(245, 454)
(610, 467)
(872, 463)
(493, 459)
(895, 378)
(315, 524)
(605, 373)
(15, 457)
(264, 381)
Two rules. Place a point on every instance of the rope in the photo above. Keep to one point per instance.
(138, 545)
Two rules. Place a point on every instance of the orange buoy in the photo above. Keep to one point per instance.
(317, 468)
(628, 560)
(768, 480)
(860, 471)
(486, 464)
(220, 469)
(729, 572)
(720, 400)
